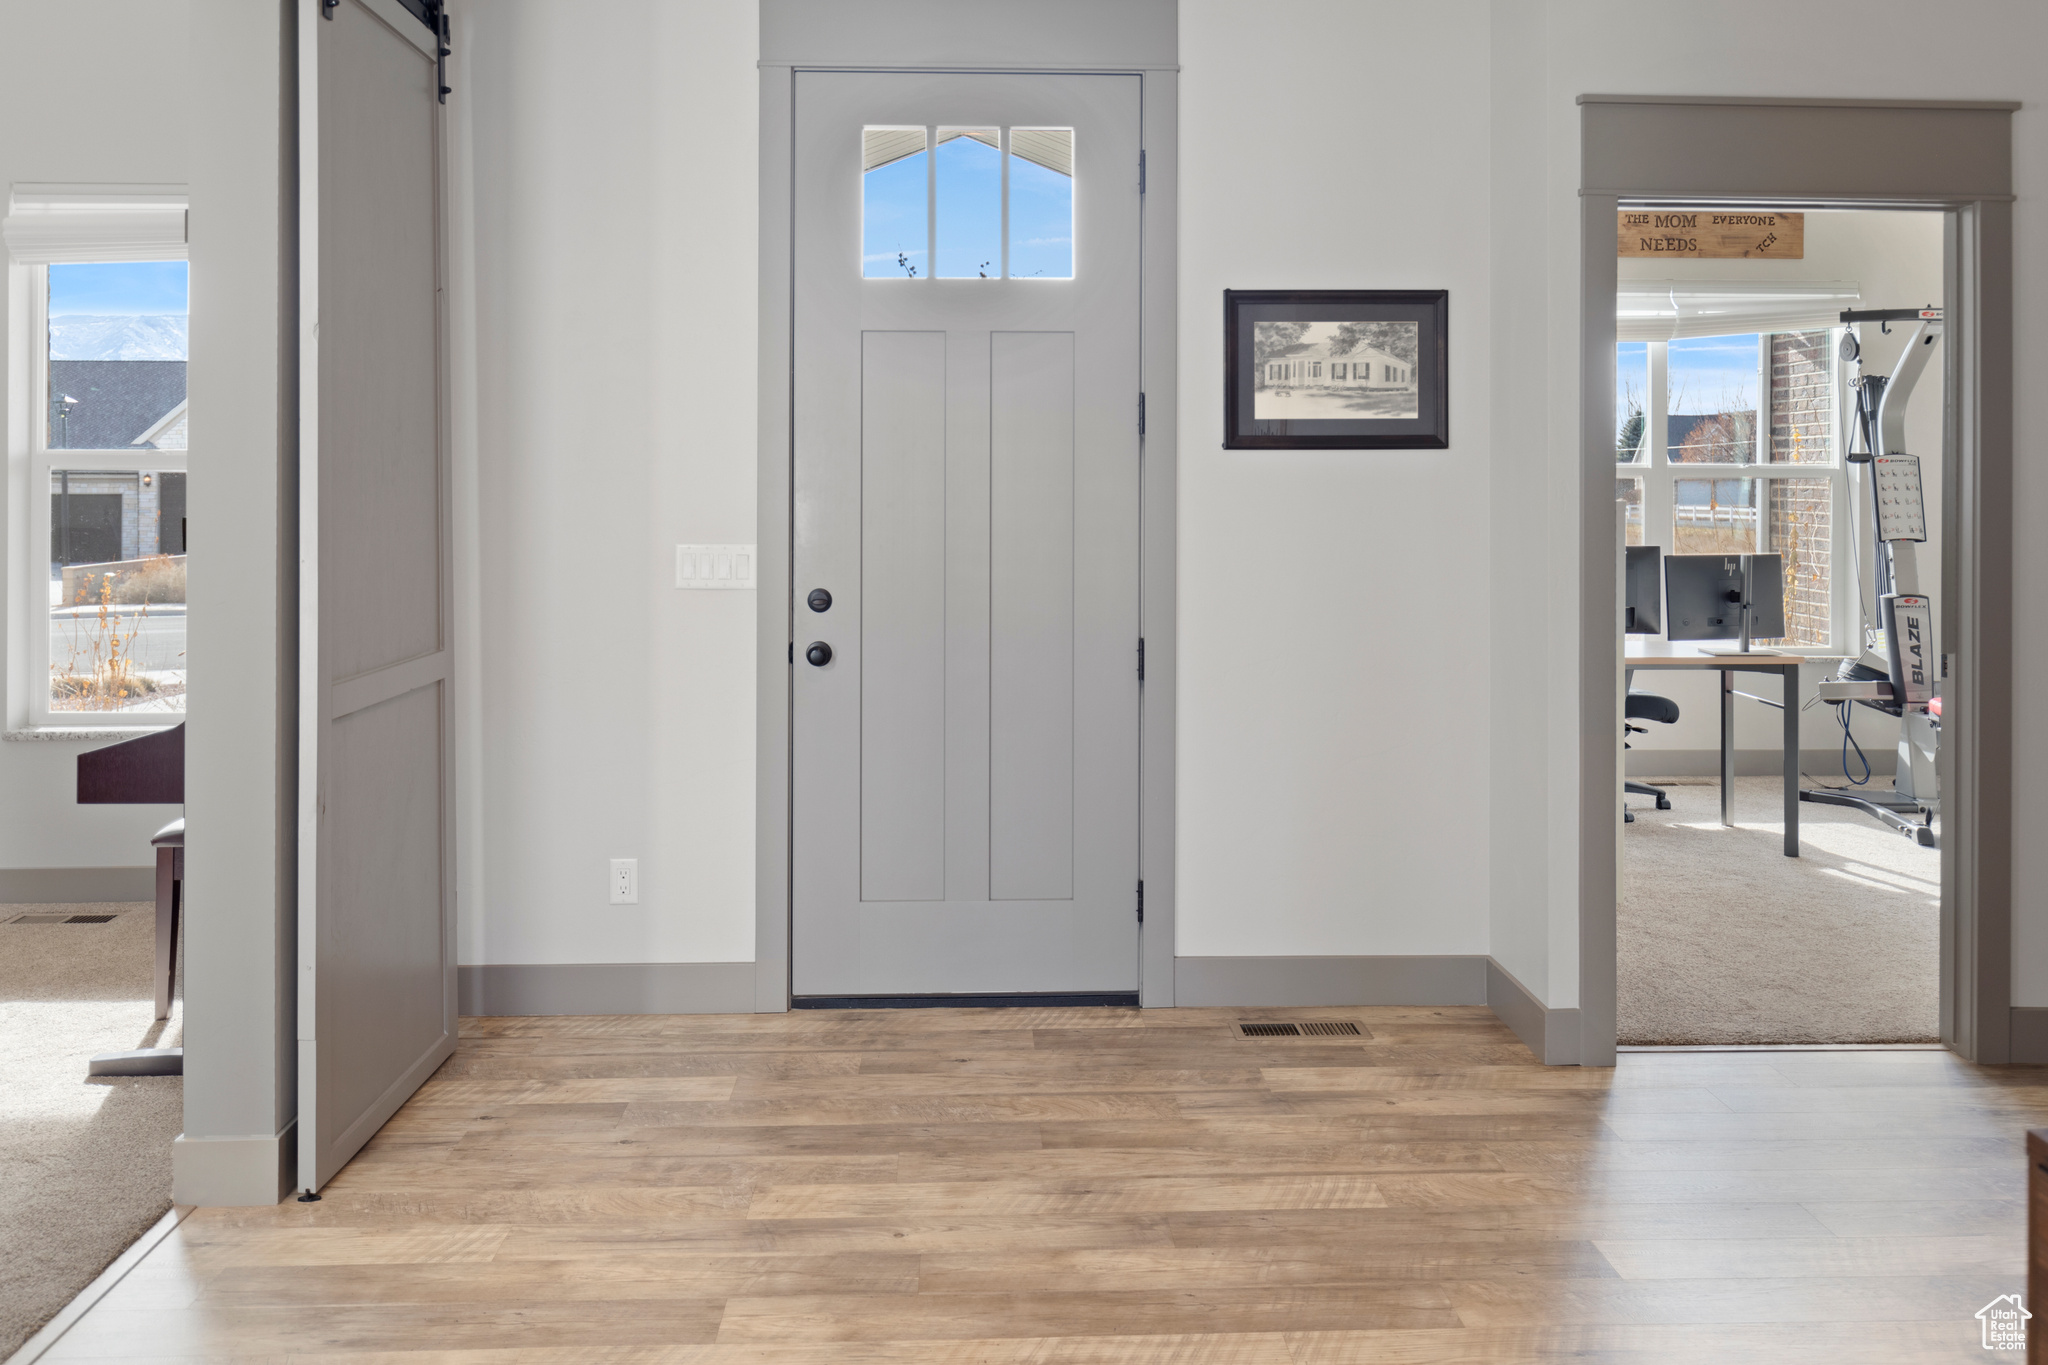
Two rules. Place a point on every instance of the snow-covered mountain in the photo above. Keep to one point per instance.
(118, 336)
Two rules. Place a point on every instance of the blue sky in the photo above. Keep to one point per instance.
(1041, 221)
(970, 216)
(1712, 374)
(970, 176)
(1702, 374)
(892, 218)
(119, 287)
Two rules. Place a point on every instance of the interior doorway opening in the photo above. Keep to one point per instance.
(1781, 870)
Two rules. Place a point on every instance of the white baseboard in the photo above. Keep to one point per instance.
(1552, 1034)
(2029, 1045)
(76, 885)
(1445, 979)
(233, 1172)
(606, 988)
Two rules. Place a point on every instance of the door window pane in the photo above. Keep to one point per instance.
(1714, 516)
(1631, 403)
(894, 224)
(116, 592)
(1042, 203)
(970, 175)
(117, 356)
(1711, 390)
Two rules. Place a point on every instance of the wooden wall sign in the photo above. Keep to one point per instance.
(1701, 234)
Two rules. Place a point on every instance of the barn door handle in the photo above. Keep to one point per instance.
(819, 654)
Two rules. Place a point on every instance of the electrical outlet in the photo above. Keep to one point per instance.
(625, 881)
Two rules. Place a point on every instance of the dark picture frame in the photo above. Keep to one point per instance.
(1336, 369)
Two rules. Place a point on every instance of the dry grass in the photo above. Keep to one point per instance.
(100, 673)
(160, 579)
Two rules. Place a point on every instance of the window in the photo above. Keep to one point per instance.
(1730, 445)
(894, 192)
(1336, 372)
(968, 170)
(935, 203)
(107, 446)
(1315, 369)
(1041, 241)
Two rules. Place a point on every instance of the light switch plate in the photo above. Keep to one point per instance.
(714, 568)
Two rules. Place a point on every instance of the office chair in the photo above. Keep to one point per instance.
(1645, 706)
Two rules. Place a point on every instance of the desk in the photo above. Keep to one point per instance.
(1649, 652)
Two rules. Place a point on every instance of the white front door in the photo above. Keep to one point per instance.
(966, 485)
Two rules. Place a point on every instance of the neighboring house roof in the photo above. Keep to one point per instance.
(115, 402)
(169, 431)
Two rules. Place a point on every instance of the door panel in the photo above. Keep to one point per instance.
(376, 979)
(903, 617)
(964, 813)
(380, 986)
(1031, 615)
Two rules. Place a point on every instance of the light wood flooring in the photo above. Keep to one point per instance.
(1088, 1187)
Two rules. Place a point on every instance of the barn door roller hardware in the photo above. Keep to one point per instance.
(432, 13)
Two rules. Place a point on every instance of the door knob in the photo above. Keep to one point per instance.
(819, 600)
(819, 653)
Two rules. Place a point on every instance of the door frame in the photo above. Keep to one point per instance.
(1949, 155)
(836, 35)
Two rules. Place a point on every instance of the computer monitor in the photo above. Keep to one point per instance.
(1703, 596)
(1643, 590)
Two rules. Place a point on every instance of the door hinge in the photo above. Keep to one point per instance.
(792, 652)
(1141, 658)
(1141, 172)
(1141, 414)
(1141, 902)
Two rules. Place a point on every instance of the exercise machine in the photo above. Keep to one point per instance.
(1899, 670)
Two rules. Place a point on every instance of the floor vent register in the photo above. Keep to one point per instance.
(1312, 1028)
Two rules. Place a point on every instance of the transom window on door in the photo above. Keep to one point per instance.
(1731, 445)
(968, 203)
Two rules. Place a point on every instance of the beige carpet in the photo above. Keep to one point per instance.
(1723, 939)
(85, 1165)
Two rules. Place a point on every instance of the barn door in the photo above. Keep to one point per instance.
(376, 989)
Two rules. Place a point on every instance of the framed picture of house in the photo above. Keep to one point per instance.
(1336, 369)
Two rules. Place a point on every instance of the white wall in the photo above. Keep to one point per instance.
(1334, 798)
(1977, 50)
(1334, 605)
(131, 130)
(614, 200)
